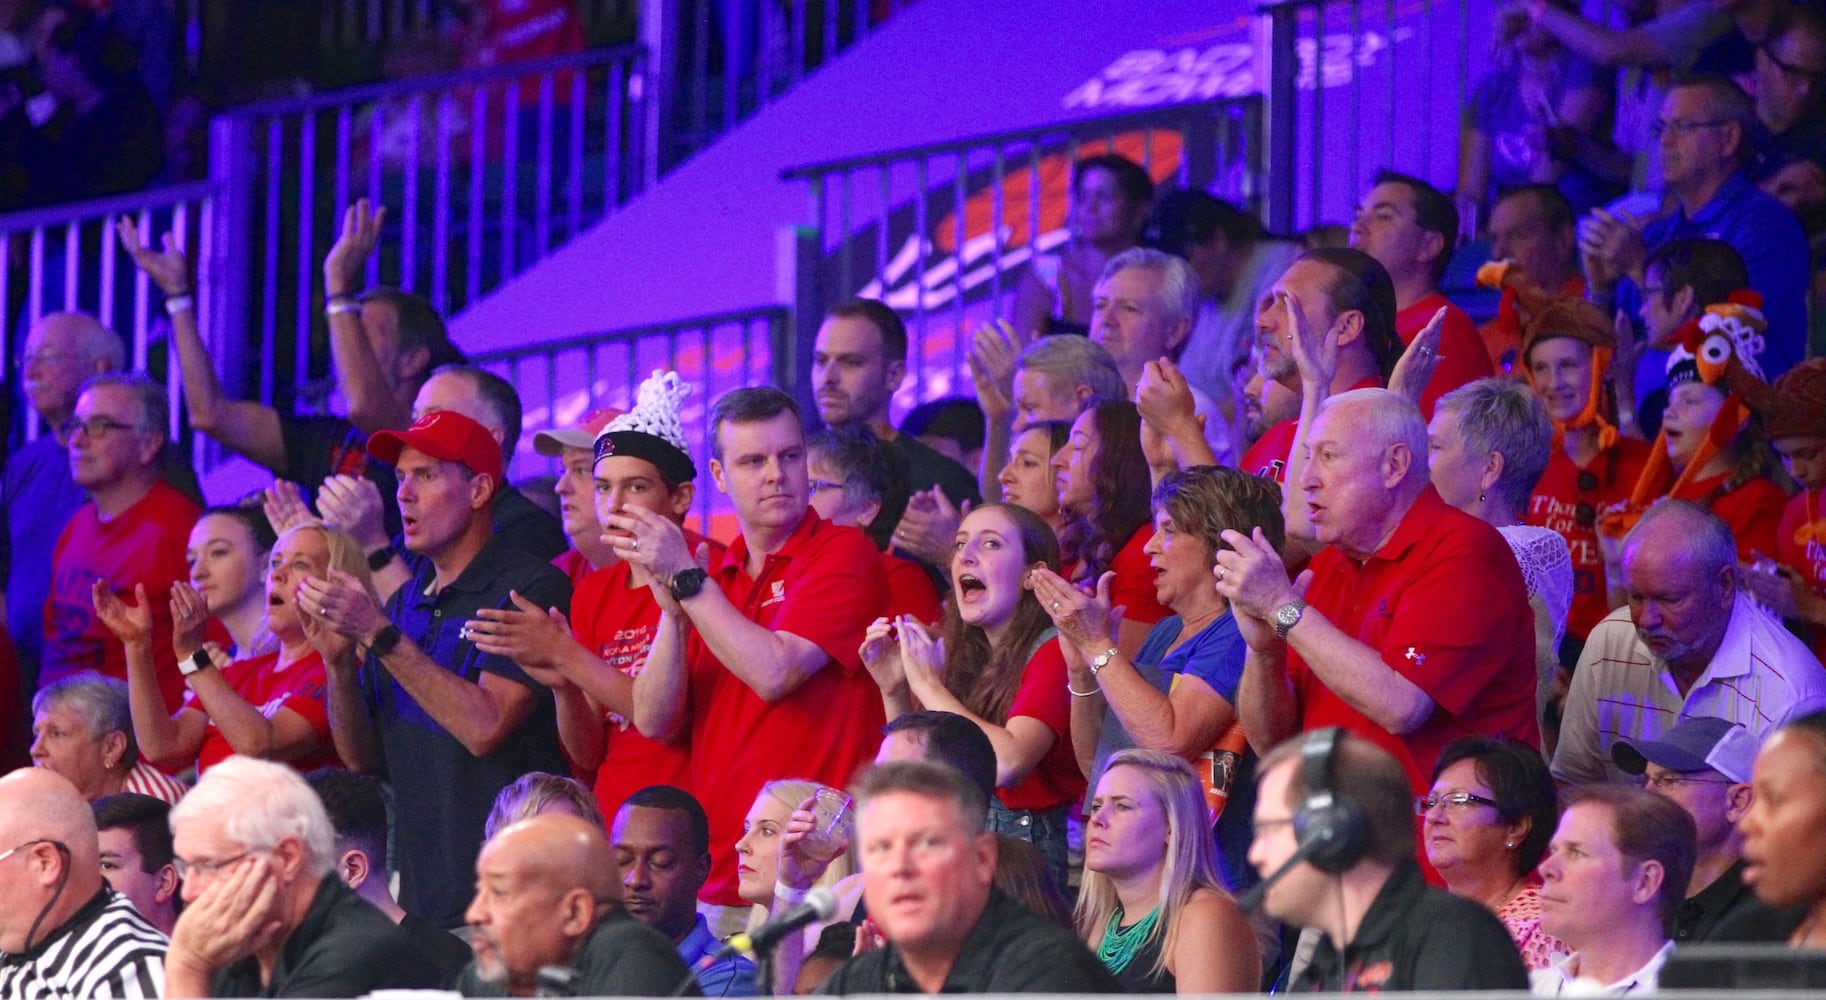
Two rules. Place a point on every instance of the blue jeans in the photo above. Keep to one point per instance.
(1044, 829)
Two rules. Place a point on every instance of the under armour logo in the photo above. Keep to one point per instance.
(1419, 658)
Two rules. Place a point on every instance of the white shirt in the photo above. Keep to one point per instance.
(1561, 979)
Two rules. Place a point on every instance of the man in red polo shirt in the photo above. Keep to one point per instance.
(757, 657)
(1407, 225)
(640, 460)
(1346, 294)
(1415, 627)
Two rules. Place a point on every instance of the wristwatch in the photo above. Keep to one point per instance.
(195, 662)
(687, 583)
(1287, 616)
(379, 558)
(1103, 659)
(384, 641)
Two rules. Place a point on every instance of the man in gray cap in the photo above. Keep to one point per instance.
(1703, 766)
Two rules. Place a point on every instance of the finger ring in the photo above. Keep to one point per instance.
(1055, 605)
(1222, 573)
(636, 545)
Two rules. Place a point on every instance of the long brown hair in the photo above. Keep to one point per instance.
(984, 677)
(1120, 481)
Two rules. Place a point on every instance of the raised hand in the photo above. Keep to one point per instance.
(993, 350)
(341, 603)
(880, 654)
(928, 527)
(170, 269)
(1084, 618)
(1315, 352)
(922, 656)
(344, 265)
(189, 618)
(527, 634)
(352, 505)
(285, 507)
(1417, 363)
(130, 623)
(1252, 577)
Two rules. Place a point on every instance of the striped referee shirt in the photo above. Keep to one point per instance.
(106, 951)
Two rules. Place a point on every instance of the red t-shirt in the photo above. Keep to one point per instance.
(143, 544)
(1559, 504)
(1056, 780)
(1133, 587)
(1462, 356)
(574, 566)
(617, 623)
(1753, 510)
(823, 585)
(300, 686)
(910, 589)
(1444, 604)
(1267, 457)
(1801, 544)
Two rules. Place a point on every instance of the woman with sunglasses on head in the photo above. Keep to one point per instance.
(1028, 479)
(1487, 821)
(269, 705)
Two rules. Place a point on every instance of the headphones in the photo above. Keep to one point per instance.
(1332, 829)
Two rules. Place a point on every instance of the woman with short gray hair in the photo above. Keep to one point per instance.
(1487, 445)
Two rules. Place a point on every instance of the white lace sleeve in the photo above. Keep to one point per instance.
(1546, 569)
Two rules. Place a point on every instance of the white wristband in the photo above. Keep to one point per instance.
(179, 304)
(784, 893)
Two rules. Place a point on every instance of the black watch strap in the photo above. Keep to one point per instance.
(384, 641)
(195, 662)
(379, 558)
(686, 584)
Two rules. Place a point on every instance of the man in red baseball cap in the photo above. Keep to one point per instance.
(410, 694)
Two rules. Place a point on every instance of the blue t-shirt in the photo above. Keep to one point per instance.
(1215, 656)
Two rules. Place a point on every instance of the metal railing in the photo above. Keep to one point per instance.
(727, 59)
(67, 259)
(561, 381)
(482, 175)
(1333, 67)
(940, 232)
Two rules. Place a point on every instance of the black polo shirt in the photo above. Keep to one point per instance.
(1417, 937)
(1700, 915)
(1010, 950)
(344, 948)
(442, 793)
(621, 958)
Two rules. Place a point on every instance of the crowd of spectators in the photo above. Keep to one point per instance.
(1301, 630)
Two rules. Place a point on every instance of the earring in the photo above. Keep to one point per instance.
(1481, 498)
(1510, 844)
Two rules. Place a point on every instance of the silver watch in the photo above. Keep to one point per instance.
(1287, 616)
(1103, 659)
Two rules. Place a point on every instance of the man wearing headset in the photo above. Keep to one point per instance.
(1334, 841)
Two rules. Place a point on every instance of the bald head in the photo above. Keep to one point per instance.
(62, 350)
(563, 851)
(39, 810)
(1680, 576)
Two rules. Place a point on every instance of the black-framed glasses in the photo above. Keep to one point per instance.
(1680, 126)
(1260, 826)
(187, 868)
(1674, 779)
(31, 843)
(95, 427)
(1790, 70)
(1451, 800)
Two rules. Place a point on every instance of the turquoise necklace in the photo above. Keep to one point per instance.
(1120, 944)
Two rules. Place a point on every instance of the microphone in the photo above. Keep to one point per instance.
(820, 904)
(1252, 900)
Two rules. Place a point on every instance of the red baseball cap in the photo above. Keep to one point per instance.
(447, 436)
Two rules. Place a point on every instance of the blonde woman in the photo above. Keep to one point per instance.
(1151, 905)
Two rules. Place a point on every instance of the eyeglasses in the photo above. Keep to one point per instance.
(1453, 800)
(1260, 826)
(95, 427)
(1794, 73)
(1680, 126)
(1674, 779)
(186, 868)
(32, 843)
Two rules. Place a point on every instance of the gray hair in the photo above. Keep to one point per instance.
(155, 407)
(101, 701)
(1386, 418)
(97, 342)
(1074, 361)
(261, 803)
(1177, 298)
(1701, 534)
(1504, 416)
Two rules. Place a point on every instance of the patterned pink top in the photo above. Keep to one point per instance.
(1522, 915)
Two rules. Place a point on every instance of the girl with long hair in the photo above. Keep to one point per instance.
(1103, 485)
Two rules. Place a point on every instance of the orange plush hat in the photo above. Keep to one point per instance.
(1718, 349)
(1577, 319)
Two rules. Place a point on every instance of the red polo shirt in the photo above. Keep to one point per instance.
(824, 585)
(1444, 604)
(1556, 504)
(1462, 355)
(617, 623)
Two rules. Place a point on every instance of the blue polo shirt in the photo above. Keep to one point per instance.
(442, 792)
(1774, 248)
(730, 977)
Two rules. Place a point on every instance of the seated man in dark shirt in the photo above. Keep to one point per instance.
(547, 895)
(1334, 843)
(928, 872)
(266, 916)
